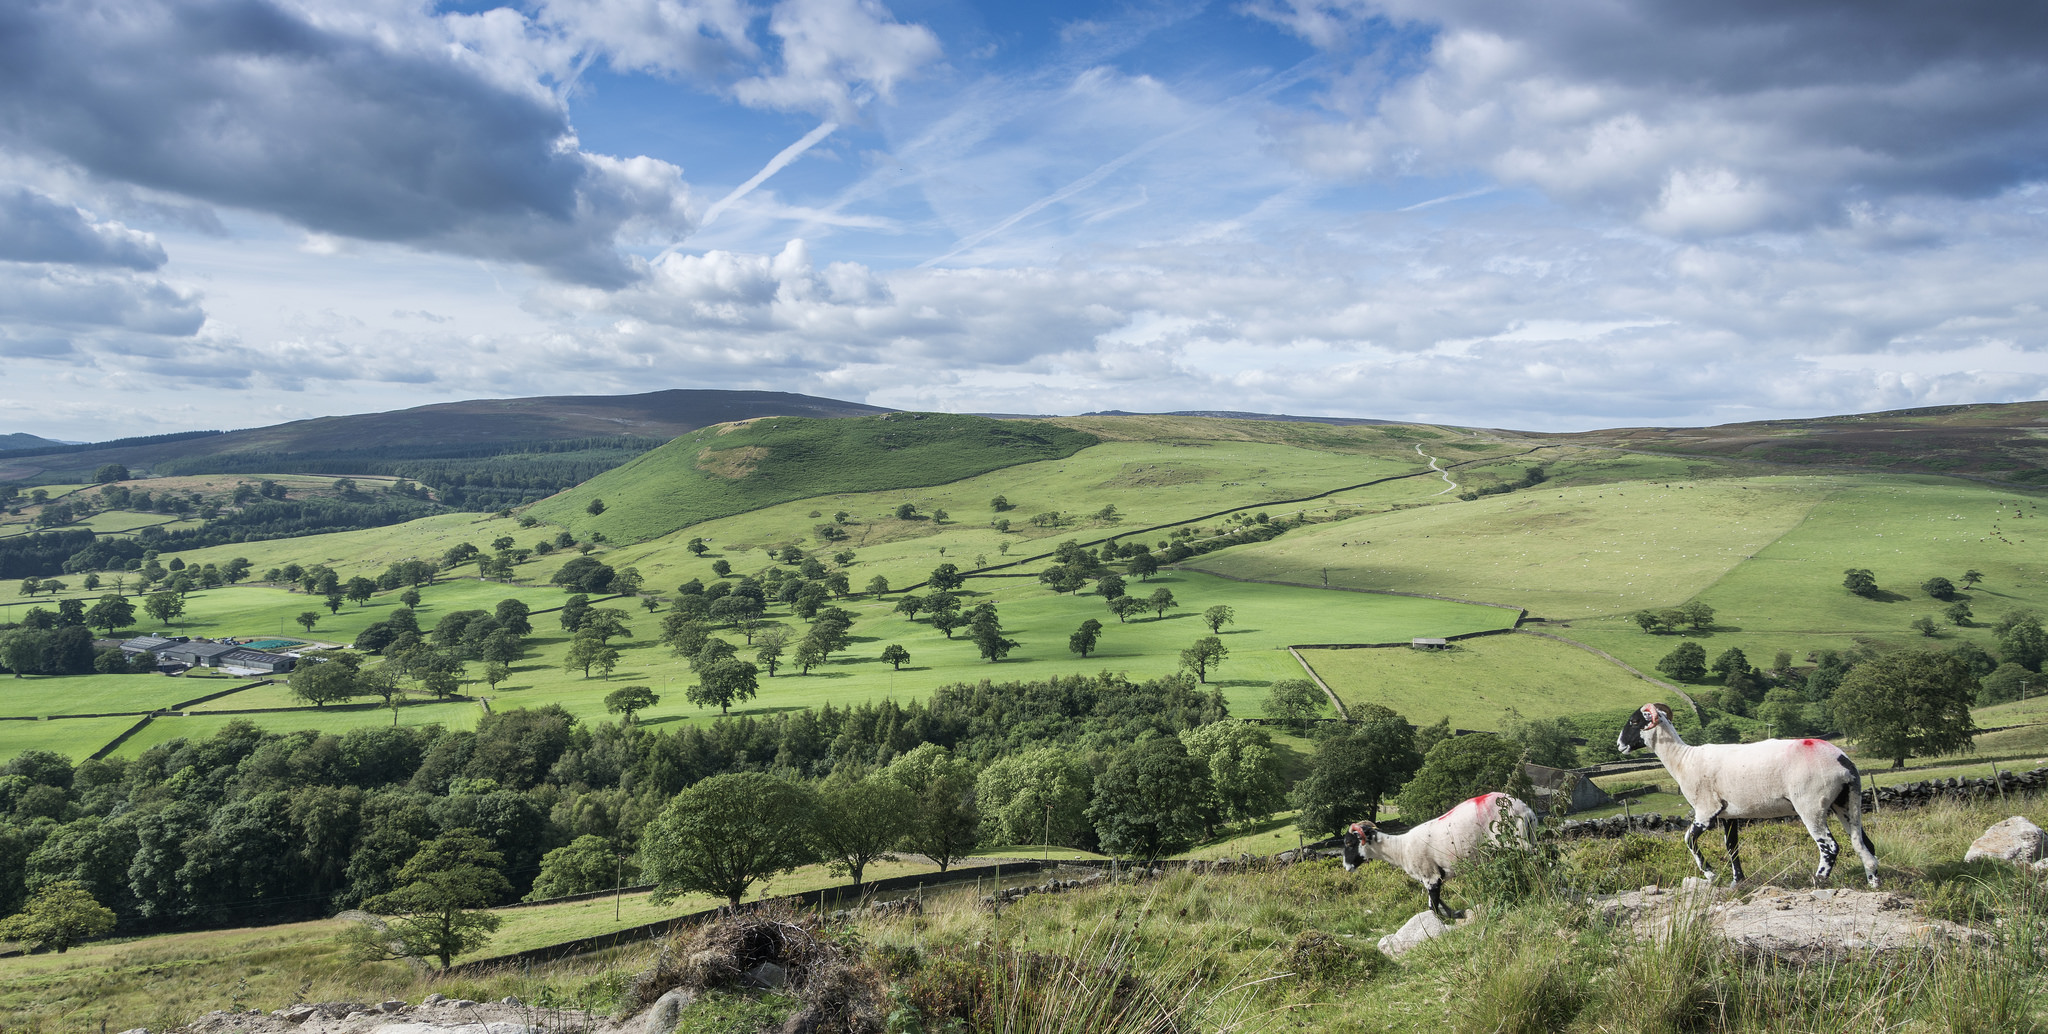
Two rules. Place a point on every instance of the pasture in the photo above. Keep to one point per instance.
(1483, 683)
(1561, 552)
(1789, 596)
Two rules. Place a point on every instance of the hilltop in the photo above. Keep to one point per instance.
(478, 427)
(2005, 442)
(734, 468)
(10, 442)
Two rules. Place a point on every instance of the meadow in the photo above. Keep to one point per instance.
(1485, 683)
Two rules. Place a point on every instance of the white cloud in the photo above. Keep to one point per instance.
(1695, 120)
(835, 54)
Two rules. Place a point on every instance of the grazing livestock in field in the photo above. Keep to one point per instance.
(1432, 851)
(1732, 782)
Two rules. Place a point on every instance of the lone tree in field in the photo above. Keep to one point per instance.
(727, 833)
(1160, 600)
(1860, 581)
(1205, 656)
(897, 656)
(60, 915)
(1084, 638)
(1908, 705)
(164, 606)
(1218, 616)
(1971, 577)
(436, 912)
(630, 700)
(307, 619)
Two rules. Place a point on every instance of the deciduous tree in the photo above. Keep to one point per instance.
(1908, 704)
(1205, 656)
(727, 833)
(1218, 616)
(436, 912)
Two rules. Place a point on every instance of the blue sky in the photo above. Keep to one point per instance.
(227, 213)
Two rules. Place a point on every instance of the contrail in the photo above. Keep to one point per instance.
(1447, 198)
(1267, 88)
(775, 165)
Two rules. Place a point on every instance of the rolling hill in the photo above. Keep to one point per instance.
(719, 472)
(1992, 442)
(478, 427)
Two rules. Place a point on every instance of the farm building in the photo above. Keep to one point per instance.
(242, 659)
(194, 653)
(1429, 644)
(1549, 782)
(155, 644)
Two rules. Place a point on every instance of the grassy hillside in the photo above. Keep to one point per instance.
(1272, 949)
(453, 429)
(1481, 683)
(1996, 443)
(718, 472)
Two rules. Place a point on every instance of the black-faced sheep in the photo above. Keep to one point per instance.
(1770, 779)
(1432, 851)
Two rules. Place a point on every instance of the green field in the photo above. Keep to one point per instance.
(1561, 552)
(734, 468)
(1477, 682)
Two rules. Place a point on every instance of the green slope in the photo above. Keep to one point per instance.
(730, 469)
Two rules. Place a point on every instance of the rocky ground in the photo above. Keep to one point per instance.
(434, 1015)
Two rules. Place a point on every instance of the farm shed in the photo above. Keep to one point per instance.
(255, 661)
(195, 654)
(150, 644)
(1549, 782)
(1429, 644)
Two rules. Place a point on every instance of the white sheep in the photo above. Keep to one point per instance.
(1432, 851)
(1769, 779)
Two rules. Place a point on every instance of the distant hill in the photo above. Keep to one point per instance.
(2005, 442)
(480, 427)
(718, 472)
(1231, 414)
(10, 442)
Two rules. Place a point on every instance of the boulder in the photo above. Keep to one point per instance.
(667, 1010)
(1425, 926)
(767, 975)
(297, 1013)
(2014, 840)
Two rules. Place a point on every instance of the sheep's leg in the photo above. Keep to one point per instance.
(1817, 827)
(1436, 893)
(1728, 828)
(1850, 807)
(1692, 841)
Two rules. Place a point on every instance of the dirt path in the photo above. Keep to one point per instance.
(1441, 472)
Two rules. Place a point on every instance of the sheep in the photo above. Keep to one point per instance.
(1432, 851)
(1731, 783)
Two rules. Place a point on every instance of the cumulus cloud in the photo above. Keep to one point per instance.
(835, 54)
(1694, 119)
(382, 131)
(67, 296)
(36, 228)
